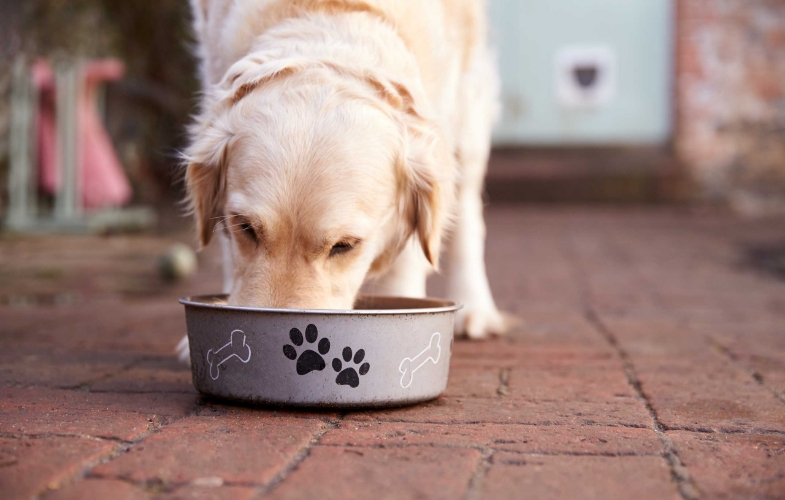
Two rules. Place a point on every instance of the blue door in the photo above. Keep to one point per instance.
(583, 72)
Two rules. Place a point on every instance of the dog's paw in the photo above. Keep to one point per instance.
(483, 322)
(183, 351)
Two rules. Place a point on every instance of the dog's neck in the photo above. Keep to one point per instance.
(356, 41)
(386, 35)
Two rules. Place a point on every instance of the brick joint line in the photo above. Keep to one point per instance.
(705, 430)
(108, 376)
(588, 423)
(122, 448)
(504, 382)
(679, 472)
(84, 472)
(131, 391)
(157, 483)
(298, 458)
(756, 376)
(474, 488)
(484, 448)
(45, 435)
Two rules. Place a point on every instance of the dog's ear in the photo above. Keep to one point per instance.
(426, 166)
(428, 185)
(211, 135)
(254, 71)
(205, 178)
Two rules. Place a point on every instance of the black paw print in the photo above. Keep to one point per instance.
(349, 376)
(309, 360)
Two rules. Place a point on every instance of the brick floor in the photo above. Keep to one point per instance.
(412, 472)
(734, 465)
(29, 466)
(245, 449)
(567, 477)
(650, 364)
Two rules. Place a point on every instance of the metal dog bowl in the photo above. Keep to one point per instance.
(389, 351)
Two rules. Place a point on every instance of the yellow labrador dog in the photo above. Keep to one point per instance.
(337, 142)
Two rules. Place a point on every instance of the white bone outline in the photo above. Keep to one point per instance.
(429, 358)
(211, 353)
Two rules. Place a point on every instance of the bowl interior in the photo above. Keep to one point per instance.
(364, 303)
(374, 302)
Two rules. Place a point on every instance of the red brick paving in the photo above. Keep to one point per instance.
(122, 416)
(209, 492)
(734, 465)
(245, 449)
(503, 410)
(568, 477)
(96, 488)
(550, 439)
(29, 466)
(651, 364)
(390, 473)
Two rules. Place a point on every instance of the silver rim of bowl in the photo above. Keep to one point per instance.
(429, 306)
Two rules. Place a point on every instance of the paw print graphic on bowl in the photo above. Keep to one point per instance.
(349, 376)
(309, 360)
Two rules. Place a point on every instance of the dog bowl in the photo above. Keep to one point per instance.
(389, 351)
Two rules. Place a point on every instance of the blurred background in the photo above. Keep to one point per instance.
(636, 101)
(667, 102)
(644, 100)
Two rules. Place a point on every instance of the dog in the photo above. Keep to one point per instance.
(337, 143)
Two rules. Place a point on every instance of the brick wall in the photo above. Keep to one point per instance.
(730, 93)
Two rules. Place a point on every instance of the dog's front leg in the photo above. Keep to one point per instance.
(466, 279)
(183, 350)
(467, 282)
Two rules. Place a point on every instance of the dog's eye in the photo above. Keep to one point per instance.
(247, 229)
(340, 248)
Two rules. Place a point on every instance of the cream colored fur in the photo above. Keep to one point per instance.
(337, 143)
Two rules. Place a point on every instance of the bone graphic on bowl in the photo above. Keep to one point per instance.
(410, 365)
(233, 349)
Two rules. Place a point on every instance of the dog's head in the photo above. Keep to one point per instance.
(319, 176)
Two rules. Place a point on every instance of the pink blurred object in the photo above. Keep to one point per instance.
(103, 182)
